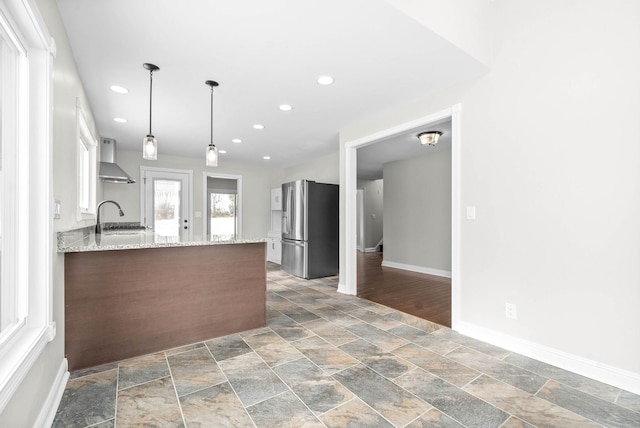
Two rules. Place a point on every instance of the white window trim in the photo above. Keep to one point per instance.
(85, 138)
(22, 20)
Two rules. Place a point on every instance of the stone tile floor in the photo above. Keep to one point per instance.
(331, 360)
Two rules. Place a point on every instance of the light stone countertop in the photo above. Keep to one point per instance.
(85, 239)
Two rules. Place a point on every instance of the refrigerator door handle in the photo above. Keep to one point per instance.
(286, 214)
(290, 206)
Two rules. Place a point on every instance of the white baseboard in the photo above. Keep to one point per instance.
(371, 250)
(614, 376)
(419, 269)
(50, 406)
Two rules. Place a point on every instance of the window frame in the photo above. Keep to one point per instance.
(31, 207)
(86, 168)
(205, 199)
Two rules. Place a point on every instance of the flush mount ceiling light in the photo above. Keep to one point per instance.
(286, 107)
(222, 152)
(120, 120)
(149, 143)
(236, 140)
(212, 151)
(266, 157)
(258, 126)
(119, 89)
(429, 138)
(325, 80)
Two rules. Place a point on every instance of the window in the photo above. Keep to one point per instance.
(86, 149)
(222, 205)
(26, 323)
(222, 209)
(12, 71)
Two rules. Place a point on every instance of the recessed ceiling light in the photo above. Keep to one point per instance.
(258, 126)
(119, 120)
(285, 107)
(236, 140)
(266, 157)
(222, 152)
(119, 89)
(325, 80)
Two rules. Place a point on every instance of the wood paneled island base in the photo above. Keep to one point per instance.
(125, 303)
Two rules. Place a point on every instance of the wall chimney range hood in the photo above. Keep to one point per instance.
(109, 171)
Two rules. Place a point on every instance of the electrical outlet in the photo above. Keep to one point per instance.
(510, 311)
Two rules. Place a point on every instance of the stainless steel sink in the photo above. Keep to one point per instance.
(123, 229)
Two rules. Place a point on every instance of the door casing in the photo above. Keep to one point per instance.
(348, 279)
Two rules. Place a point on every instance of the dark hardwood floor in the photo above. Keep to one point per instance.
(419, 294)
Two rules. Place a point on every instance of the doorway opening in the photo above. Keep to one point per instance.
(349, 280)
(222, 206)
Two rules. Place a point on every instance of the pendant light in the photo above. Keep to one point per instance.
(149, 143)
(211, 158)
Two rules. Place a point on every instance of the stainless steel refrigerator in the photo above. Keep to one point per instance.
(310, 229)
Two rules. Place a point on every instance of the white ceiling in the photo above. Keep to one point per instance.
(263, 54)
(405, 145)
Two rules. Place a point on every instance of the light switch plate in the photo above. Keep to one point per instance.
(56, 209)
(471, 213)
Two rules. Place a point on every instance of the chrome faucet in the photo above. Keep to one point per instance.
(98, 225)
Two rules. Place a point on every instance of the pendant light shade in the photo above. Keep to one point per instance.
(149, 148)
(211, 157)
(149, 143)
(429, 138)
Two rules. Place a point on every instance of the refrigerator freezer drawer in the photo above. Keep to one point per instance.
(294, 258)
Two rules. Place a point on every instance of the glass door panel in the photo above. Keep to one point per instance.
(166, 206)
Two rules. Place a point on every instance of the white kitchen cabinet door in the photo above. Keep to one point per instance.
(274, 250)
(276, 199)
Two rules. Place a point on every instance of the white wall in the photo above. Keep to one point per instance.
(324, 169)
(24, 407)
(549, 155)
(373, 211)
(255, 190)
(417, 212)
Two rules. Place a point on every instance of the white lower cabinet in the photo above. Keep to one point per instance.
(274, 250)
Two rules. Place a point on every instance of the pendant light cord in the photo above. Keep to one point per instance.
(150, 98)
(211, 114)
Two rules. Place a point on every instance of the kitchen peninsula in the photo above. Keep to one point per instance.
(130, 293)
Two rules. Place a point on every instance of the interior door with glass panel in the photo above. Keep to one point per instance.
(167, 204)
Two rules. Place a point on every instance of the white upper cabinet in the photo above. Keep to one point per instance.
(276, 199)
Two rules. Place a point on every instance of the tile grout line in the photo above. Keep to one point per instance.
(115, 416)
(175, 388)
